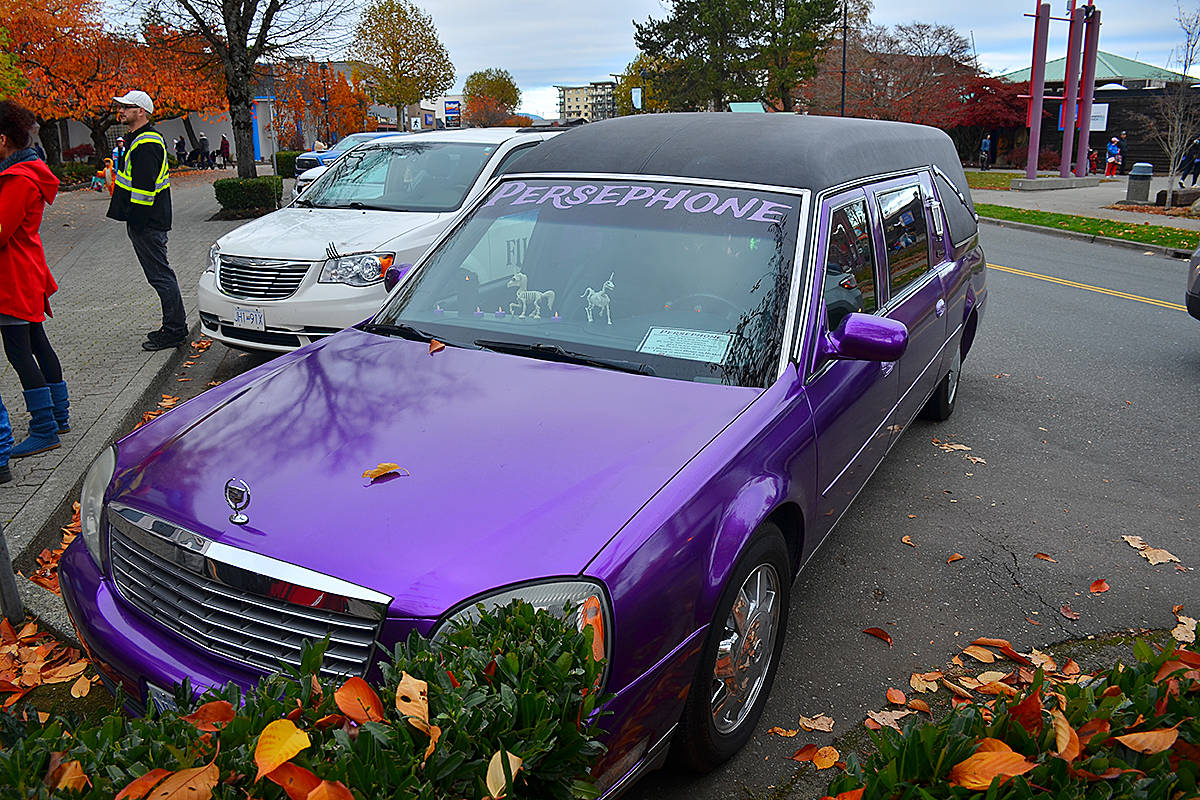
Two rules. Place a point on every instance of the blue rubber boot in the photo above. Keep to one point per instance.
(62, 405)
(43, 430)
(6, 443)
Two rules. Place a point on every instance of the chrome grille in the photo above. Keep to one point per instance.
(248, 627)
(260, 278)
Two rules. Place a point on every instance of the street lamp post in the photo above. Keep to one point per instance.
(845, 4)
(325, 99)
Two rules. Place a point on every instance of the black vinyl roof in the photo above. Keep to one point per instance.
(801, 151)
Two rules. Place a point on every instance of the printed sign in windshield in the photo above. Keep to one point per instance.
(685, 281)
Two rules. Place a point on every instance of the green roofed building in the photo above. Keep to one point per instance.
(1110, 68)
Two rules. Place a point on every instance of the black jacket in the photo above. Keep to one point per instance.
(146, 161)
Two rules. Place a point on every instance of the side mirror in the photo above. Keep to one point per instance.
(393, 275)
(865, 337)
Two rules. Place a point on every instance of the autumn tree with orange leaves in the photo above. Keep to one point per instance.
(311, 96)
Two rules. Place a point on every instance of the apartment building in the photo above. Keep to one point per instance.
(593, 101)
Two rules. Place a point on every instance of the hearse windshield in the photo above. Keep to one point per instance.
(683, 281)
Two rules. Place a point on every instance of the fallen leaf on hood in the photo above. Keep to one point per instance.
(805, 753)
(1045, 557)
(908, 540)
(1098, 586)
(890, 719)
(954, 557)
(435, 346)
(820, 722)
(879, 633)
(1067, 612)
(778, 731)
(825, 758)
(896, 697)
(383, 470)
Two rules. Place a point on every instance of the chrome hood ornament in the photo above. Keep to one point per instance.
(237, 495)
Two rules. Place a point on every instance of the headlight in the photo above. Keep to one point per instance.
(586, 597)
(360, 270)
(214, 256)
(91, 500)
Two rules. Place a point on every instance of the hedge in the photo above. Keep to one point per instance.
(71, 172)
(285, 163)
(518, 681)
(1131, 732)
(247, 193)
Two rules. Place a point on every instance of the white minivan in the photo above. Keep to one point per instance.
(317, 265)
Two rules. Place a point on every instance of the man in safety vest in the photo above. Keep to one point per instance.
(142, 199)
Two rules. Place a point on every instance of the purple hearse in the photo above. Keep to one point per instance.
(677, 345)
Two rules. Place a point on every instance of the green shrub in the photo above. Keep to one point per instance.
(285, 163)
(172, 161)
(71, 172)
(518, 680)
(1145, 698)
(246, 193)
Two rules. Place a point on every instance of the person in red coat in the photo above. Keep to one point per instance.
(26, 186)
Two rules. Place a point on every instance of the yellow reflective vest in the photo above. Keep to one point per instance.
(142, 192)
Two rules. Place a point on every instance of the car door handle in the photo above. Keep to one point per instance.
(940, 308)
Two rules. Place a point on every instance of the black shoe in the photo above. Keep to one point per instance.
(164, 342)
(5, 474)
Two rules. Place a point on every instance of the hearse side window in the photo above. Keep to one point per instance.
(849, 280)
(904, 235)
(506, 163)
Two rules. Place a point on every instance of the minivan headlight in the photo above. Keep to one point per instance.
(91, 501)
(214, 256)
(360, 270)
(586, 597)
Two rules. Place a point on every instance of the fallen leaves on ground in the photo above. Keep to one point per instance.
(954, 557)
(358, 701)
(1155, 555)
(1045, 557)
(992, 759)
(1098, 586)
(896, 697)
(786, 733)
(805, 753)
(908, 541)
(879, 633)
(820, 722)
(1068, 612)
(202, 345)
(1185, 630)
(278, 743)
(925, 681)
(32, 658)
(46, 574)
(825, 758)
(890, 719)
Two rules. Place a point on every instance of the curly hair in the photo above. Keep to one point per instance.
(16, 123)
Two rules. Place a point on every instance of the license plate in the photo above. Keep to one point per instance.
(251, 318)
(162, 699)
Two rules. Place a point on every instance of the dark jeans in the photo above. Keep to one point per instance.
(151, 249)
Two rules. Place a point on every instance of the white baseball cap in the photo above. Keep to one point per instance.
(136, 98)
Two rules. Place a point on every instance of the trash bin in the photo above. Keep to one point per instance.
(1138, 190)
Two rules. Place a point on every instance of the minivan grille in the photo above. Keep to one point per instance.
(250, 628)
(305, 163)
(261, 278)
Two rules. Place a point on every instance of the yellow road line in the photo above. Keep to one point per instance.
(1090, 288)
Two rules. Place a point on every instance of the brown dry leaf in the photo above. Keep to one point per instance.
(951, 447)
(1067, 745)
(785, 733)
(1098, 586)
(825, 758)
(896, 697)
(975, 459)
(277, 744)
(295, 780)
(1150, 742)
(958, 691)
(997, 688)
(991, 676)
(818, 723)
(1032, 621)
(1070, 668)
(1185, 631)
(68, 776)
(384, 469)
(140, 787)
(412, 700)
(435, 733)
(1028, 713)
(917, 704)
(908, 541)
(978, 771)
(871, 724)
(81, 687)
(435, 346)
(954, 557)
(889, 718)
(1043, 660)
(63, 673)
(211, 717)
(1045, 557)
(358, 701)
(979, 653)
(920, 683)
(1068, 612)
(196, 783)
(1156, 556)
(805, 753)
(496, 783)
(879, 633)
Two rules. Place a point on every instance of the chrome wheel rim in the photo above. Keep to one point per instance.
(952, 376)
(745, 649)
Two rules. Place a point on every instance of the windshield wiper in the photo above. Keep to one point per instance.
(401, 329)
(552, 352)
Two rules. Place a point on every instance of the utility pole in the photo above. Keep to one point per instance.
(845, 27)
(10, 598)
(325, 100)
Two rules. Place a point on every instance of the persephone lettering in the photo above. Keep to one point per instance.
(754, 209)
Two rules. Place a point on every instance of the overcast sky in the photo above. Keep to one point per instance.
(548, 42)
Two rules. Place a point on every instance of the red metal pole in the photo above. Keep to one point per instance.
(1091, 46)
(1037, 86)
(1071, 87)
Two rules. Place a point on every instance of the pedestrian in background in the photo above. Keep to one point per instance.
(27, 186)
(985, 152)
(1114, 158)
(181, 151)
(1190, 163)
(224, 151)
(142, 200)
(1121, 154)
(203, 162)
(118, 154)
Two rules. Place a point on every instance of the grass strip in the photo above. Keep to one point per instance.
(1145, 233)
(992, 179)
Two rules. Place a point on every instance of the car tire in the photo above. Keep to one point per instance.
(712, 729)
(941, 404)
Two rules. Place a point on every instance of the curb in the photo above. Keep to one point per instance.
(1157, 249)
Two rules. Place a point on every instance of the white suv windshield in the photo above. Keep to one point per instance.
(677, 280)
(402, 176)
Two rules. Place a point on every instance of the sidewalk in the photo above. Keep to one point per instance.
(103, 309)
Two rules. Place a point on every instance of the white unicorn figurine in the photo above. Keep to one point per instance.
(525, 297)
(599, 300)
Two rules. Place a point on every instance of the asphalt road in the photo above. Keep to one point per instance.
(1084, 406)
